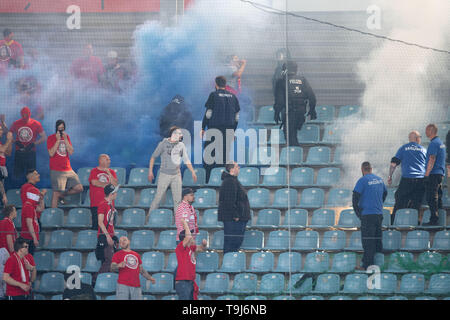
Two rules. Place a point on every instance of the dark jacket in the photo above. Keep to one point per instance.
(447, 145)
(233, 200)
(176, 113)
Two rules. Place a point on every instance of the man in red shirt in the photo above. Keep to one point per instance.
(26, 131)
(5, 150)
(11, 53)
(32, 207)
(88, 67)
(185, 285)
(99, 178)
(129, 266)
(187, 212)
(63, 179)
(8, 232)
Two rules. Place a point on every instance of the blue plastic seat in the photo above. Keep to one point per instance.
(139, 178)
(188, 181)
(293, 153)
(406, 218)
(207, 262)
(164, 283)
(339, 197)
(322, 219)
(268, 219)
(416, 240)
(106, 283)
(216, 283)
(327, 283)
(295, 219)
(312, 198)
(312, 298)
(284, 297)
(244, 283)
(397, 298)
(83, 174)
(13, 196)
(51, 283)
(160, 219)
(209, 220)
(386, 223)
(285, 197)
(319, 155)
(132, 218)
(296, 287)
(303, 176)
(343, 262)
(399, 262)
(441, 241)
(355, 283)
(215, 177)
(84, 204)
(125, 198)
(228, 297)
(332, 134)
(307, 240)
(316, 262)
(172, 263)
(390, 198)
(276, 136)
(337, 156)
(310, 133)
(167, 240)
(442, 219)
(121, 174)
(205, 198)
(347, 111)
(92, 264)
(274, 177)
(261, 156)
(79, 218)
(71, 201)
(146, 197)
(142, 240)
(325, 114)
(233, 262)
(439, 284)
(333, 240)
(153, 261)
(266, 115)
(412, 283)
(271, 283)
(278, 241)
(328, 176)
(387, 284)
(261, 262)
(52, 218)
(392, 240)
(68, 258)
(348, 220)
(429, 261)
(340, 298)
(355, 242)
(249, 176)
(60, 239)
(86, 240)
(18, 220)
(44, 260)
(253, 240)
(259, 198)
(217, 240)
(289, 262)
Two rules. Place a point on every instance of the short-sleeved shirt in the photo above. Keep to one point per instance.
(171, 153)
(15, 267)
(2, 158)
(7, 228)
(186, 262)
(224, 106)
(29, 212)
(371, 188)
(26, 131)
(437, 148)
(60, 160)
(108, 212)
(187, 212)
(88, 68)
(129, 275)
(97, 194)
(412, 157)
(9, 51)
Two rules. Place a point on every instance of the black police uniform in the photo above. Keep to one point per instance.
(176, 113)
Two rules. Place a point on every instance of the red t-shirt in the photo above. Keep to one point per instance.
(28, 211)
(128, 276)
(60, 160)
(186, 262)
(97, 194)
(14, 267)
(26, 131)
(88, 68)
(2, 159)
(107, 210)
(7, 228)
(11, 50)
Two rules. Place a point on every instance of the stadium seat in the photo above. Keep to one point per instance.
(52, 218)
(406, 218)
(271, 283)
(13, 196)
(332, 134)
(249, 176)
(302, 177)
(284, 297)
(293, 153)
(164, 283)
(132, 218)
(259, 198)
(261, 156)
(125, 198)
(397, 298)
(337, 156)
(60, 240)
(416, 240)
(412, 283)
(333, 240)
(153, 261)
(146, 197)
(316, 262)
(172, 263)
(368, 298)
(273, 177)
(312, 298)
(86, 240)
(355, 283)
(307, 240)
(233, 262)
(327, 283)
(387, 282)
(430, 261)
(244, 283)
(205, 198)
(253, 240)
(285, 198)
(142, 240)
(289, 262)
(261, 262)
(442, 219)
(348, 220)
(347, 111)
(318, 156)
(72, 201)
(188, 181)
(44, 260)
(215, 177)
(167, 240)
(79, 218)
(295, 219)
(83, 174)
(439, 284)
(160, 219)
(340, 298)
(390, 198)
(202, 234)
(120, 233)
(209, 220)
(322, 219)
(310, 133)
(207, 262)
(276, 136)
(217, 240)
(312, 198)
(216, 283)
(399, 262)
(121, 174)
(324, 114)
(355, 243)
(268, 219)
(343, 262)
(441, 241)
(51, 283)
(266, 115)
(339, 197)
(92, 264)
(278, 241)
(228, 297)
(298, 285)
(139, 178)
(68, 258)
(386, 223)
(392, 240)
(85, 204)
(106, 283)
(328, 176)
(18, 220)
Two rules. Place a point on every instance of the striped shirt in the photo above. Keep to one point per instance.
(187, 212)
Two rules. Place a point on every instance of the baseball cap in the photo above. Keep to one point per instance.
(186, 191)
(109, 189)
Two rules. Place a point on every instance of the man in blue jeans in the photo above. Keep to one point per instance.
(368, 197)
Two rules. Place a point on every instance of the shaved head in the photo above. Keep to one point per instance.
(414, 136)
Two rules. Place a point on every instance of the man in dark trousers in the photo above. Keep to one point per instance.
(234, 208)
(222, 113)
(447, 144)
(411, 157)
(368, 197)
(176, 113)
(299, 93)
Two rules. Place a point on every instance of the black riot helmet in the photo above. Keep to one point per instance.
(290, 67)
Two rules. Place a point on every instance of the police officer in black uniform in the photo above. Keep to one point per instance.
(222, 113)
(176, 113)
(299, 94)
